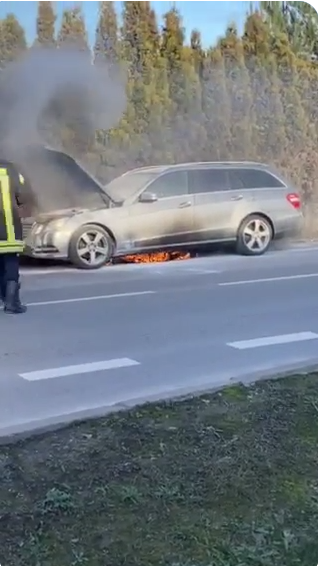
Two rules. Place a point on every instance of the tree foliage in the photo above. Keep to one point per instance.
(247, 97)
(106, 37)
(73, 30)
(296, 19)
(45, 24)
(12, 39)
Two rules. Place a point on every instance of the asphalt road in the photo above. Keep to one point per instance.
(129, 333)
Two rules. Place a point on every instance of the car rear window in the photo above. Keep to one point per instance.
(253, 179)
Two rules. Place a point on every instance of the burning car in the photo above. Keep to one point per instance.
(164, 208)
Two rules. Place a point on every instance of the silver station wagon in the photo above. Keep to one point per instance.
(172, 207)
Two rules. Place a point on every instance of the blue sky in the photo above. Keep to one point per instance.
(211, 18)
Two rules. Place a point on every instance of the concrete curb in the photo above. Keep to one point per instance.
(22, 431)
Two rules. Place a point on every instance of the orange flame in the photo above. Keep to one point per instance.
(156, 257)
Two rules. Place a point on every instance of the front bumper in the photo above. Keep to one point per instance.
(44, 253)
(42, 243)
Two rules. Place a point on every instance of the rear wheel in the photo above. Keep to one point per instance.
(254, 236)
(91, 247)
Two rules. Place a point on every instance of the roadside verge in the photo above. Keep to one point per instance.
(207, 384)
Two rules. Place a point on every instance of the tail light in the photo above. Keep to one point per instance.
(294, 200)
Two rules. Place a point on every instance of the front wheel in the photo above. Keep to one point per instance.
(254, 236)
(91, 247)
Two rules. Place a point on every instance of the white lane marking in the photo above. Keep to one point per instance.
(78, 369)
(95, 298)
(61, 270)
(268, 280)
(313, 248)
(273, 340)
(44, 271)
(200, 271)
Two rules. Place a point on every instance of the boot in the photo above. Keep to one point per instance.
(2, 291)
(12, 304)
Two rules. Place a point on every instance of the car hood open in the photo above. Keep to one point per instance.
(59, 181)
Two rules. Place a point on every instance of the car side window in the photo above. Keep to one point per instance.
(253, 179)
(208, 181)
(236, 179)
(169, 185)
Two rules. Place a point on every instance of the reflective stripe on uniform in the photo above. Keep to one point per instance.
(7, 208)
(10, 245)
(11, 249)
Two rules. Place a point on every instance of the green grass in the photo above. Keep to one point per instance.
(229, 479)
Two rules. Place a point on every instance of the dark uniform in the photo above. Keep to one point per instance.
(11, 236)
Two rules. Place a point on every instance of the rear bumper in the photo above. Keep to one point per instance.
(292, 228)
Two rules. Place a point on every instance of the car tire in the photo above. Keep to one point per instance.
(254, 236)
(98, 244)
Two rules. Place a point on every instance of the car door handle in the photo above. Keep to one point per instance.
(237, 197)
(185, 204)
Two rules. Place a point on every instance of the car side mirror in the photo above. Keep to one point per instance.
(148, 197)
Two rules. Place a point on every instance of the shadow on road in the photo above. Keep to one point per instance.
(206, 251)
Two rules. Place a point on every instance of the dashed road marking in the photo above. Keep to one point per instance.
(201, 271)
(268, 280)
(91, 367)
(94, 298)
(28, 272)
(273, 340)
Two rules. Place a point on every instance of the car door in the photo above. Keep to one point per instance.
(242, 191)
(215, 205)
(260, 187)
(167, 221)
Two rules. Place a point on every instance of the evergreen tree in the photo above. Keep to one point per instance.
(139, 35)
(272, 142)
(216, 107)
(239, 91)
(70, 105)
(307, 88)
(172, 49)
(173, 40)
(12, 39)
(299, 21)
(265, 88)
(153, 31)
(198, 52)
(106, 40)
(296, 123)
(73, 31)
(276, 15)
(256, 40)
(45, 24)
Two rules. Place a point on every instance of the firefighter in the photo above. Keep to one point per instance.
(11, 237)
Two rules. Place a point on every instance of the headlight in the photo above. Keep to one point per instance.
(38, 228)
(56, 224)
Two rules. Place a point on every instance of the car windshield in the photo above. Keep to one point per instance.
(124, 187)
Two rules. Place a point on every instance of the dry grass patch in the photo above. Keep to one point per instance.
(228, 479)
